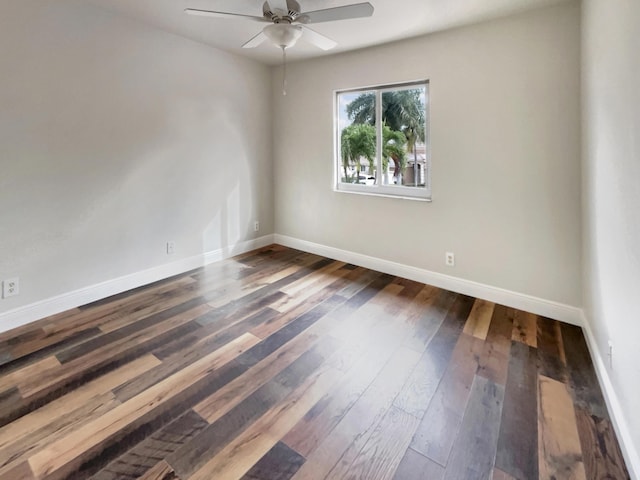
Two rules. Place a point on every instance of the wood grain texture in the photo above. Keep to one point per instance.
(495, 359)
(415, 466)
(63, 454)
(518, 440)
(279, 463)
(500, 475)
(601, 453)
(475, 447)
(479, 319)
(439, 427)
(280, 364)
(560, 454)
(382, 453)
(424, 380)
(160, 471)
(582, 376)
(551, 357)
(246, 450)
(525, 328)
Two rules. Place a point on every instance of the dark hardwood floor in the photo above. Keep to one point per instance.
(280, 364)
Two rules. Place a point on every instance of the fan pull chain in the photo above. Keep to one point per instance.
(284, 71)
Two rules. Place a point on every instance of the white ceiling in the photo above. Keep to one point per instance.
(392, 20)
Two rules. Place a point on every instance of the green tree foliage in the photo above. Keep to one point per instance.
(393, 147)
(357, 141)
(402, 111)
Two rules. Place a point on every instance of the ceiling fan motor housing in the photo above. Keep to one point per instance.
(282, 17)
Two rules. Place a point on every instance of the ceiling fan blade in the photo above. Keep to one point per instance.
(255, 41)
(211, 13)
(317, 39)
(357, 10)
(278, 6)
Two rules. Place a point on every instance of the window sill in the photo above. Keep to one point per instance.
(374, 191)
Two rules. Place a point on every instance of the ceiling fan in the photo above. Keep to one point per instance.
(289, 23)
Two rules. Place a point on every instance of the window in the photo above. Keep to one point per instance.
(388, 157)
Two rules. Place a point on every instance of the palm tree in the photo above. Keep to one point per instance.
(402, 110)
(393, 147)
(357, 141)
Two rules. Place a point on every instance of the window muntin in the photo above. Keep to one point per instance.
(390, 157)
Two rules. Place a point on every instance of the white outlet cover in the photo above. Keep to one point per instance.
(10, 287)
(450, 259)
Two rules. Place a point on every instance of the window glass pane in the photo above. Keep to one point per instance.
(404, 152)
(357, 137)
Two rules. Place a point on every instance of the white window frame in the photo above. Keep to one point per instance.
(378, 189)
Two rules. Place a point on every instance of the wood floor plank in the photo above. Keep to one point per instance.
(500, 475)
(551, 357)
(525, 328)
(152, 451)
(337, 288)
(424, 380)
(214, 438)
(21, 471)
(241, 454)
(147, 304)
(213, 335)
(28, 373)
(90, 346)
(64, 453)
(582, 376)
(382, 453)
(67, 372)
(253, 292)
(65, 325)
(601, 453)
(415, 466)
(303, 284)
(35, 431)
(314, 427)
(226, 398)
(518, 440)
(475, 447)
(25, 446)
(69, 404)
(175, 358)
(560, 454)
(161, 471)
(254, 283)
(495, 359)
(50, 350)
(439, 426)
(279, 463)
(336, 452)
(479, 319)
(426, 314)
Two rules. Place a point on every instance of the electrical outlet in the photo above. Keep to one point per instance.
(610, 354)
(171, 248)
(256, 226)
(449, 259)
(10, 287)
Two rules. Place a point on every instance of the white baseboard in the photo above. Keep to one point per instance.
(50, 306)
(631, 455)
(539, 306)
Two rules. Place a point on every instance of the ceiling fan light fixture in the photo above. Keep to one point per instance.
(283, 35)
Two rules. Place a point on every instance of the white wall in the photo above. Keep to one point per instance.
(116, 137)
(611, 196)
(505, 130)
